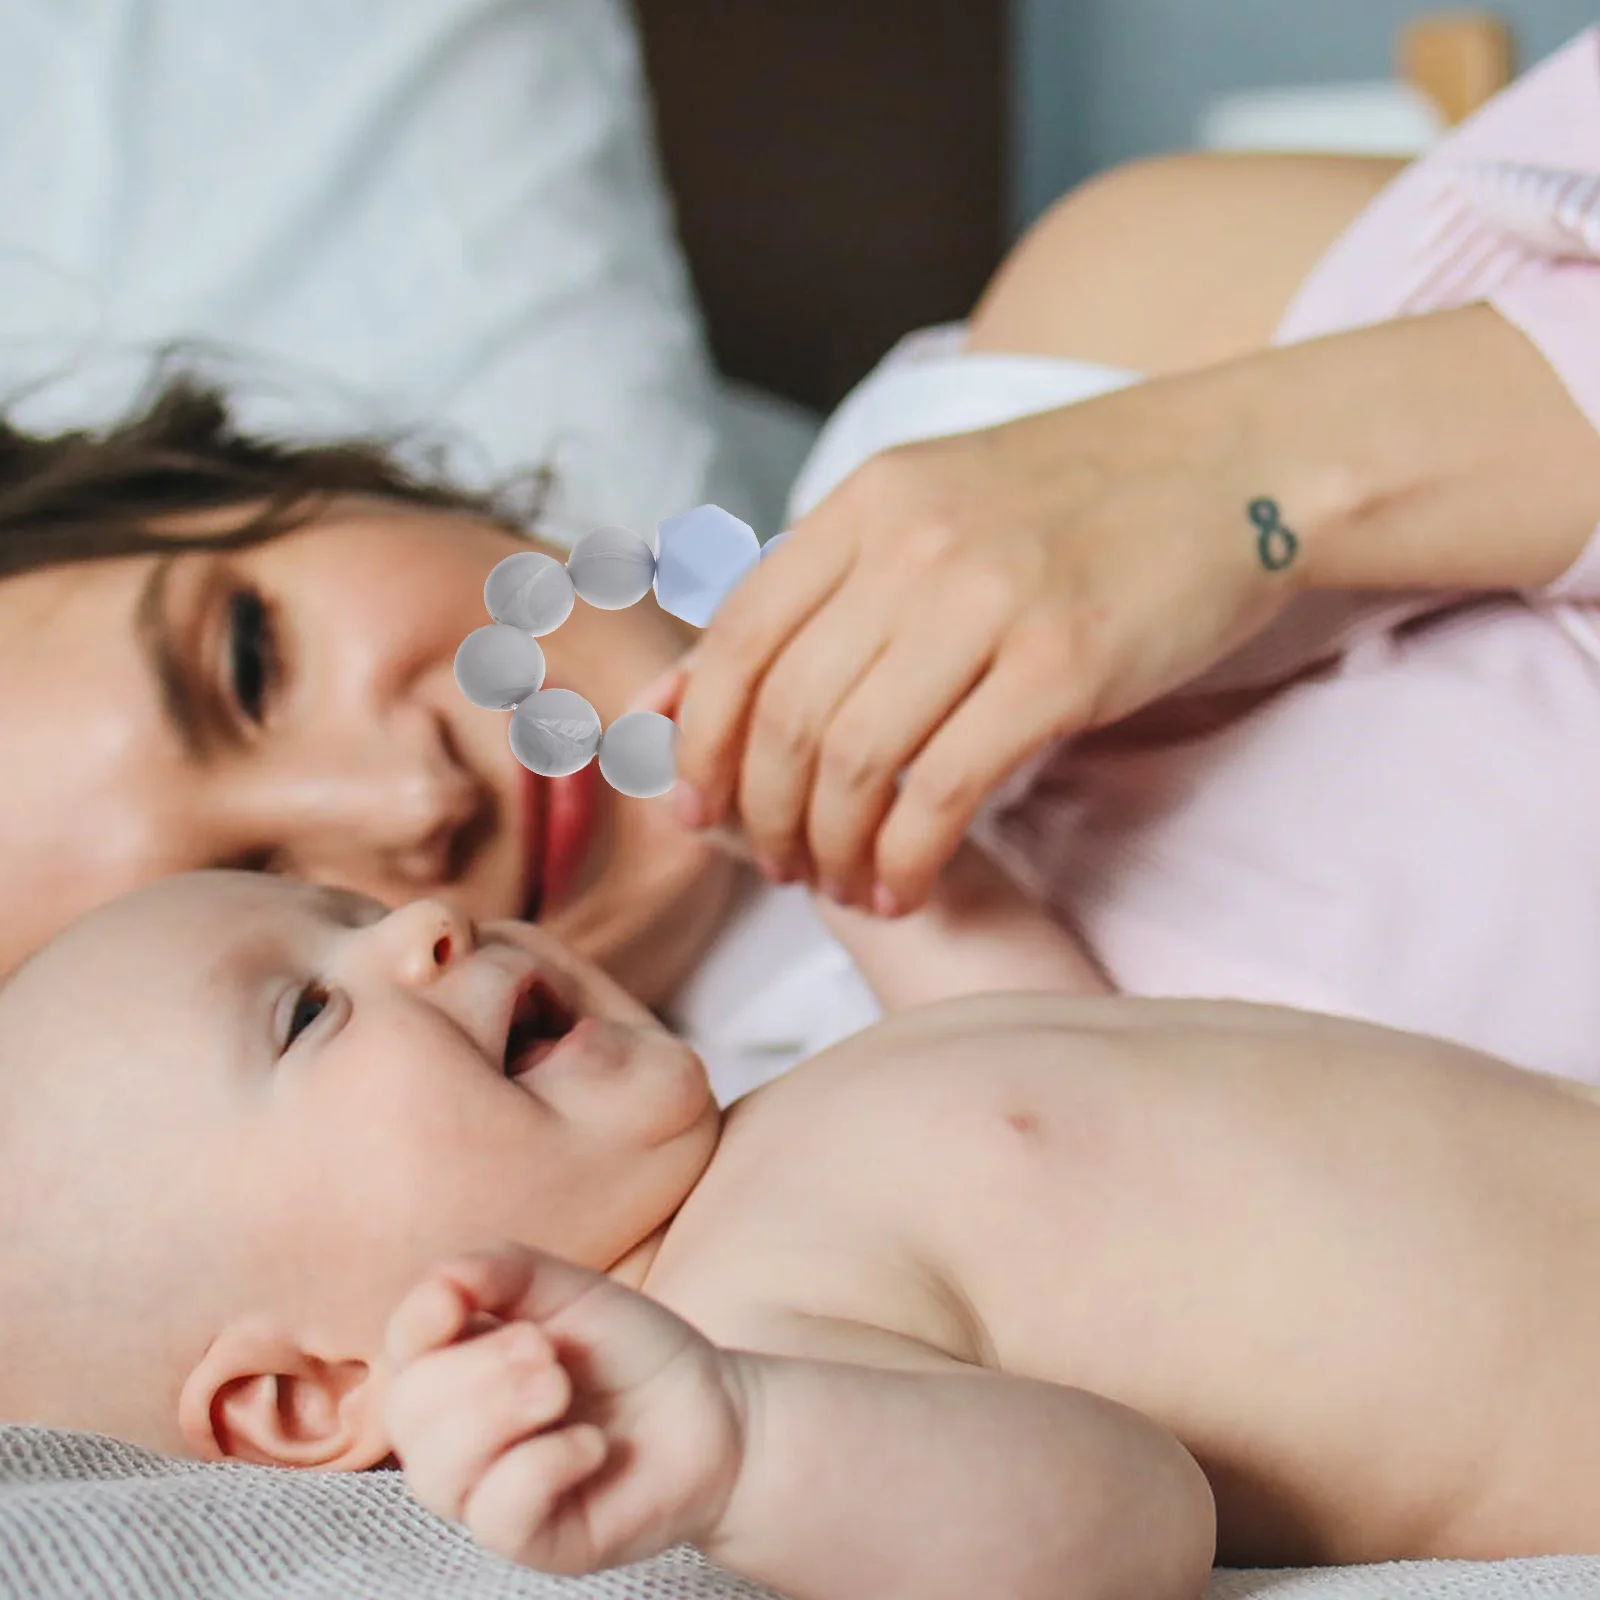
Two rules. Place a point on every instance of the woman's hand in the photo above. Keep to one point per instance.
(570, 1423)
(955, 606)
(958, 604)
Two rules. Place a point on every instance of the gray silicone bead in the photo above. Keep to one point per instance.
(639, 754)
(531, 591)
(612, 568)
(498, 667)
(555, 733)
(704, 553)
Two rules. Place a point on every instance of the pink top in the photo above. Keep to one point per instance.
(1386, 264)
(1410, 834)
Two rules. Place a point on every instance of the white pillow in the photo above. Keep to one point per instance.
(1364, 119)
(422, 211)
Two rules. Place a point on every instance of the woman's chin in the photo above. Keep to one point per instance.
(655, 910)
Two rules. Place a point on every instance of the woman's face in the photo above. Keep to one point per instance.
(292, 707)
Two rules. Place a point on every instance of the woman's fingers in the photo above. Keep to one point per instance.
(664, 691)
(753, 625)
(1012, 713)
(793, 709)
(941, 648)
(1106, 556)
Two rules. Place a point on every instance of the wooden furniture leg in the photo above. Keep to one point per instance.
(1459, 59)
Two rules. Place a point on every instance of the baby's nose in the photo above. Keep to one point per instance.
(426, 938)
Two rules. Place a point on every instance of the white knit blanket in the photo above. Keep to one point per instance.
(83, 1517)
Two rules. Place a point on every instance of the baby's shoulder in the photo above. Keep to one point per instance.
(819, 1214)
(864, 1134)
(841, 1195)
(882, 1073)
(878, 1074)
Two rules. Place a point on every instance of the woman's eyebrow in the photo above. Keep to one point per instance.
(152, 628)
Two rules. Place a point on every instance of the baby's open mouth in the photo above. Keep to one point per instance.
(539, 1023)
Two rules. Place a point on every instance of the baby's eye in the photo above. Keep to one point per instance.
(309, 1004)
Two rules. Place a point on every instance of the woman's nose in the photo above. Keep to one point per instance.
(421, 818)
(397, 810)
(423, 940)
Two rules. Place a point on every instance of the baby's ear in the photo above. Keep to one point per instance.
(258, 1396)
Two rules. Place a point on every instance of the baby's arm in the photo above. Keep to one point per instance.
(866, 1481)
(594, 1427)
(976, 933)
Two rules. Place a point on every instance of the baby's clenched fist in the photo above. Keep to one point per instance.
(569, 1422)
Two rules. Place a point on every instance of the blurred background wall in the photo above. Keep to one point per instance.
(1094, 82)
(845, 170)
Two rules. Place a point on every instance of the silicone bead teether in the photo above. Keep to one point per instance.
(531, 591)
(612, 568)
(555, 733)
(638, 754)
(498, 667)
(704, 553)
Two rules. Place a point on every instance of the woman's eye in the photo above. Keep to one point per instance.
(309, 1004)
(252, 661)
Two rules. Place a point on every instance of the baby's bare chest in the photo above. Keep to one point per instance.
(1303, 1288)
(1001, 1199)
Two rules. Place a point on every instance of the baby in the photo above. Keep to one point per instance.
(1026, 1294)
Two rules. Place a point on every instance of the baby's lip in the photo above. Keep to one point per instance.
(539, 1011)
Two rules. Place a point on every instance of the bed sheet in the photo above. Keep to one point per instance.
(83, 1516)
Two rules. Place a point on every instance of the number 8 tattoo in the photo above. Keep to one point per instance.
(1276, 543)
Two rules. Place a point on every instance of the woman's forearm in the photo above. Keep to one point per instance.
(1436, 452)
(1061, 571)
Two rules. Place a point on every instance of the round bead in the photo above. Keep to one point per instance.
(555, 733)
(498, 667)
(531, 591)
(612, 568)
(638, 754)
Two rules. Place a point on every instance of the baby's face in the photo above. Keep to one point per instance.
(319, 1099)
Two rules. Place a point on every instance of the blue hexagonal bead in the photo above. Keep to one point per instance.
(703, 555)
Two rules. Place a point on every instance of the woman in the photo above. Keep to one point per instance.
(288, 702)
(220, 653)
(1318, 622)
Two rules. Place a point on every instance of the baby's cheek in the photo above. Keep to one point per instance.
(393, 1155)
(669, 1109)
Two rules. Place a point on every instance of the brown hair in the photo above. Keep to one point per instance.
(92, 496)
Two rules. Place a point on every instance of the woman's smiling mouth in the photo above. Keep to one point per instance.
(559, 820)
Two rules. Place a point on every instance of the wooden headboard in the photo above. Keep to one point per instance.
(838, 168)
